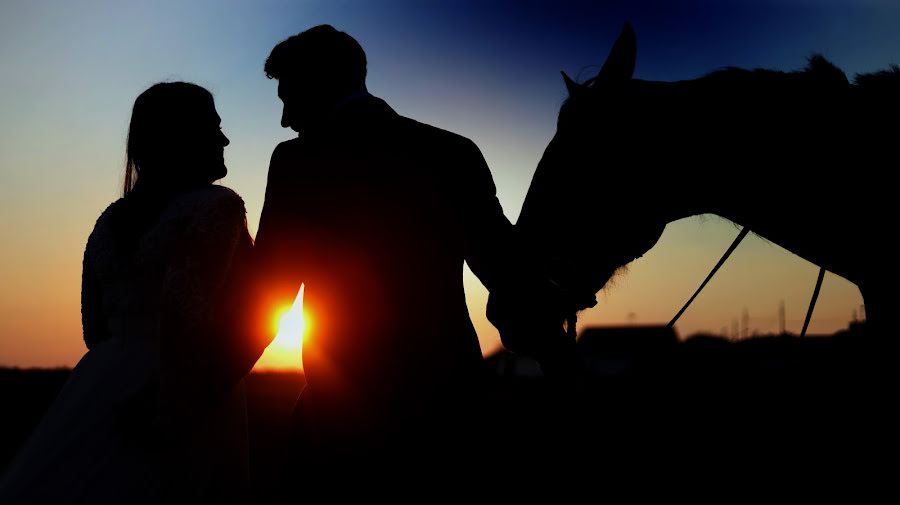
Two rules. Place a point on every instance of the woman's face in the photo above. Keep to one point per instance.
(203, 153)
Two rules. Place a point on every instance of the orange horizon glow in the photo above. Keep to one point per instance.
(291, 324)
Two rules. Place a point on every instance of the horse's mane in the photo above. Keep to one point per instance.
(818, 71)
(881, 79)
(818, 74)
(820, 87)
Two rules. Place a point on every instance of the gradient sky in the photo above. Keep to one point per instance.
(70, 71)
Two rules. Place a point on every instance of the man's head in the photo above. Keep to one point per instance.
(315, 69)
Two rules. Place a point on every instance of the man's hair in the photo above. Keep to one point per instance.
(320, 49)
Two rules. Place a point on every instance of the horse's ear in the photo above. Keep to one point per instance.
(619, 64)
(574, 88)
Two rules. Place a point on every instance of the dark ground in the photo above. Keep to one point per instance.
(824, 406)
(270, 399)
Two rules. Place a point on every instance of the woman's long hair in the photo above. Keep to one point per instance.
(159, 132)
(157, 119)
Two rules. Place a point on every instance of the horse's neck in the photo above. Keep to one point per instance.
(808, 225)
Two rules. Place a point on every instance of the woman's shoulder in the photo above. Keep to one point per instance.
(210, 206)
(101, 247)
(109, 213)
(215, 194)
(107, 219)
(213, 199)
(200, 210)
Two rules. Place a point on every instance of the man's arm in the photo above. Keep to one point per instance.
(489, 247)
(524, 304)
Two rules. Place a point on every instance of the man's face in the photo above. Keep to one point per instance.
(306, 103)
(289, 117)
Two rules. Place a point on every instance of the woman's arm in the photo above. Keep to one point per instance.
(202, 338)
(93, 321)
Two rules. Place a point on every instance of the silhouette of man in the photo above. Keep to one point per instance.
(376, 214)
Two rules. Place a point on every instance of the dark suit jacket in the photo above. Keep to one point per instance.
(376, 214)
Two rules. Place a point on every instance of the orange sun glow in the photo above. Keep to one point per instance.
(292, 326)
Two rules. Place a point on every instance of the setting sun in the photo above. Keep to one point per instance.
(292, 325)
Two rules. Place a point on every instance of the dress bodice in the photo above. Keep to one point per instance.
(166, 271)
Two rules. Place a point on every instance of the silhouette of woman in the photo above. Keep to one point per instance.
(149, 413)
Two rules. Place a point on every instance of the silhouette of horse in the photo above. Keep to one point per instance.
(801, 158)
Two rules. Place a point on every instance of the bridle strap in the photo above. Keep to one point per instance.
(812, 303)
(715, 269)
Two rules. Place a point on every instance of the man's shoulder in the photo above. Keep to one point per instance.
(287, 147)
(432, 135)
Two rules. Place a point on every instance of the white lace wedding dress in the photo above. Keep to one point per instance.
(137, 421)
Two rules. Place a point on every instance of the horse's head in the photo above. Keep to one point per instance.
(589, 210)
(591, 207)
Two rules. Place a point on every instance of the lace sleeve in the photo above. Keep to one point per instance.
(195, 278)
(194, 288)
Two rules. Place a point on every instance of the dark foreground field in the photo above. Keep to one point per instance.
(782, 404)
(270, 398)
